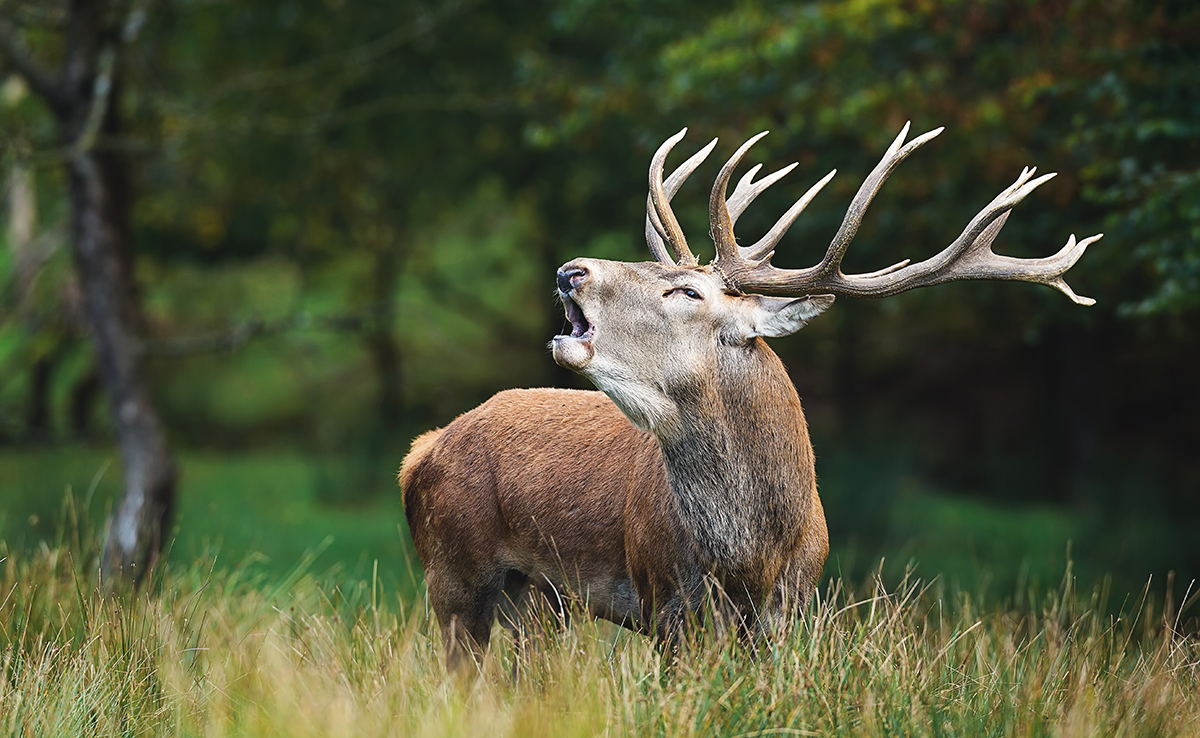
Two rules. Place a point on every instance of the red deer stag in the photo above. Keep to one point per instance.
(710, 480)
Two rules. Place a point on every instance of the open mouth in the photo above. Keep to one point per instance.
(581, 328)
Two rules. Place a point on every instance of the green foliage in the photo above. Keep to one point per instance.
(1144, 156)
(1099, 91)
(324, 149)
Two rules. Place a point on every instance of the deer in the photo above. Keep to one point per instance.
(691, 468)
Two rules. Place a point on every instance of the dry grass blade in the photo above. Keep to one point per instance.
(210, 654)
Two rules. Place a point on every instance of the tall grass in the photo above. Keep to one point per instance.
(203, 653)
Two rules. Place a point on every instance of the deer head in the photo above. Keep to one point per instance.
(648, 333)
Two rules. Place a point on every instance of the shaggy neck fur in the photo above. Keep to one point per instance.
(740, 464)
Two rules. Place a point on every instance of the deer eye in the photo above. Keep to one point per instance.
(688, 291)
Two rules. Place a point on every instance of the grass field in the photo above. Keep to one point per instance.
(262, 512)
(282, 612)
(266, 511)
(229, 653)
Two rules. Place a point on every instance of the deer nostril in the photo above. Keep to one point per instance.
(570, 278)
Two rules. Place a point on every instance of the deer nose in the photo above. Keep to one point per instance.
(571, 276)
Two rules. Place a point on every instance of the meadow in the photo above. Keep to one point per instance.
(224, 653)
(277, 614)
(264, 512)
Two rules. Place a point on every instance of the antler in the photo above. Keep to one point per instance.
(662, 229)
(970, 256)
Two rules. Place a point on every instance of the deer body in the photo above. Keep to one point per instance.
(694, 467)
(513, 501)
(512, 498)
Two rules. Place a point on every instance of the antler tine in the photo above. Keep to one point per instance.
(745, 192)
(1067, 256)
(658, 210)
(747, 189)
(985, 226)
(970, 256)
(866, 193)
(654, 226)
(765, 246)
(720, 221)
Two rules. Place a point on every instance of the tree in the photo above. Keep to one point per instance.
(90, 36)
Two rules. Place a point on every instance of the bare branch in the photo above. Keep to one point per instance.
(102, 83)
(134, 21)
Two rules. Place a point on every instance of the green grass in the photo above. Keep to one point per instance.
(268, 510)
(234, 654)
(263, 512)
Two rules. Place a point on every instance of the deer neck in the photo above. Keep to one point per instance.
(739, 460)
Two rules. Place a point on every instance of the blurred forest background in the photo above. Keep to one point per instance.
(344, 219)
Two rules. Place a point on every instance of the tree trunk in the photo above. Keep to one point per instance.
(101, 205)
(22, 222)
(99, 215)
(81, 98)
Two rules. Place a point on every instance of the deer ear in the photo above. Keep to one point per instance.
(782, 316)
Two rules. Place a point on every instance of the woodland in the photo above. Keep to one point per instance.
(294, 234)
(250, 250)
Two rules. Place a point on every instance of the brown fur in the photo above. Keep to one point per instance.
(548, 493)
(520, 496)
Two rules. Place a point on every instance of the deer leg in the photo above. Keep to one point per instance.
(465, 612)
(790, 601)
(524, 614)
(671, 623)
(532, 612)
(514, 604)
